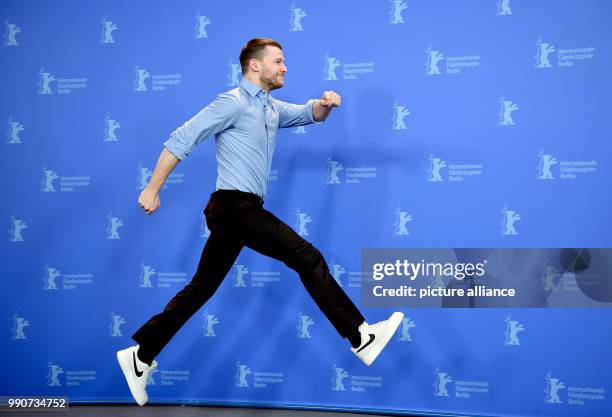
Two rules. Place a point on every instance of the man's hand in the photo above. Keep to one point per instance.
(330, 99)
(149, 200)
(149, 197)
(323, 106)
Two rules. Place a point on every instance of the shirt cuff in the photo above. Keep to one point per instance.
(176, 148)
(310, 112)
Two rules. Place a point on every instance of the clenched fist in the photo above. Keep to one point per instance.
(330, 99)
(149, 200)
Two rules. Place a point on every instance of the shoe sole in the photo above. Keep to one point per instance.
(394, 321)
(124, 363)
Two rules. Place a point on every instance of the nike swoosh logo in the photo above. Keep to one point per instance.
(367, 344)
(138, 373)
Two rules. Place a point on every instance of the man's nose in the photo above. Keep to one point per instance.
(284, 68)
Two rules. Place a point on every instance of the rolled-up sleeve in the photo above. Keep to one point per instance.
(291, 115)
(212, 119)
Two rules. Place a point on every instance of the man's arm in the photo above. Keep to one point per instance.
(314, 111)
(149, 197)
(214, 118)
(323, 107)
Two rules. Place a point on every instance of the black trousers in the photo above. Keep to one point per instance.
(237, 219)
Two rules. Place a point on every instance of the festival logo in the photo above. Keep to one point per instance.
(44, 83)
(239, 277)
(433, 60)
(47, 182)
(111, 125)
(16, 227)
(303, 327)
(114, 328)
(108, 28)
(434, 168)
(302, 220)
(295, 22)
(503, 8)
(338, 377)
(399, 114)
(69, 281)
(513, 327)
(143, 177)
(510, 217)
(337, 271)
(546, 162)
(146, 275)
(64, 85)
(112, 227)
(19, 324)
(13, 132)
(505, 113)
(141, 75)
(234, 73)
(329, 70)
(402, 218)
(404, 333)
(397, 7)
(10, 36)
(210, 320)
(51, 274)
(54, 372)
(333, 168)
(200, 28)
(553, 386)
(549, 277)
(542, 56)
(441, 381)
(242, 372)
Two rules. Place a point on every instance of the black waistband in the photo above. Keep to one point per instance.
(238, 195)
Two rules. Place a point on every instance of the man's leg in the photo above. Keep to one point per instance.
(268, 235)
(219, 254)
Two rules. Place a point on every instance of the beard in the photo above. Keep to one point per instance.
(274, 82)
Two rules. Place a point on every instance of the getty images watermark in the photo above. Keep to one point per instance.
(471, 277)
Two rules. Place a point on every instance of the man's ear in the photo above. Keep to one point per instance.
(254, 65)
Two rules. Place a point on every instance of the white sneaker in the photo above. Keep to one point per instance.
(374, 337)
(136, 373)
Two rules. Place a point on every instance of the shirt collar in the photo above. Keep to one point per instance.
(250, 87)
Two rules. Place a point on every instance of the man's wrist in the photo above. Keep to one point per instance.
(153, 188)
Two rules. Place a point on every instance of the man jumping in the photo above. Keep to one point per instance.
(245, 122)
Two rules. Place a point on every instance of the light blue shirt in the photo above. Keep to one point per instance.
(245, 121)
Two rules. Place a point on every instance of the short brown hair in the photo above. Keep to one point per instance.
(255, 49)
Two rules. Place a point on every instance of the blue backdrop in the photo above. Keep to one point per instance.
(463, 124)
